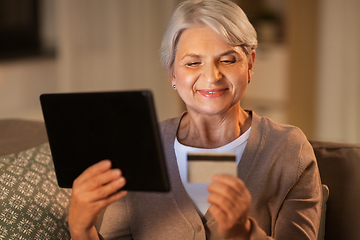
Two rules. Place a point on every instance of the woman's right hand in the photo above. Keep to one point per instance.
(96, 188)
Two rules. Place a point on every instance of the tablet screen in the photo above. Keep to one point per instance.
(85, 128)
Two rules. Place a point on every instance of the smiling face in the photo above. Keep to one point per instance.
(210, 75)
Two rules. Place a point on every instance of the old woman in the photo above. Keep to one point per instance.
(209, 52)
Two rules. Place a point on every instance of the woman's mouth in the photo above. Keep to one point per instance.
(212, 93)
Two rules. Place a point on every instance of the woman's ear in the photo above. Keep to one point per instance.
(173, 81)
(251, 64)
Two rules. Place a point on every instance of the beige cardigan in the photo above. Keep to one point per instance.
(278, 167)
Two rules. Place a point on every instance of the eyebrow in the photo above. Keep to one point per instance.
(229, 53)
(190, 55)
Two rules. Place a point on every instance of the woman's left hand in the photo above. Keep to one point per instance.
(230, 202)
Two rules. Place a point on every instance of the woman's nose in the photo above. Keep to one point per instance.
(211, 73)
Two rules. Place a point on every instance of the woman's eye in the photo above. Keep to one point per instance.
(193, 64)
(228, 61)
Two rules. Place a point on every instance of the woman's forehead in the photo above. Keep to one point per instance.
(203, 40)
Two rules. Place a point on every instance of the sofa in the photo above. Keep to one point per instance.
(32, 206)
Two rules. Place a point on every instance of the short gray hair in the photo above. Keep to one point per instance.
(226, 18)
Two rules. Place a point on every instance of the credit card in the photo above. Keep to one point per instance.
(202, 166)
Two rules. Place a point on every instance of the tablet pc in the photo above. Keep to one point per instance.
(85, 128)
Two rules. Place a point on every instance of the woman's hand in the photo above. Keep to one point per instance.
(96, 188)
(230, 202)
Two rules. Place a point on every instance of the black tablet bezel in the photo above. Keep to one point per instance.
(85, 128)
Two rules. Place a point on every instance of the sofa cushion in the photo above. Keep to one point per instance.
(339, 166)
(32, 206)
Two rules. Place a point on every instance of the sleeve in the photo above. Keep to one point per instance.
(300, 213)
(115, 222)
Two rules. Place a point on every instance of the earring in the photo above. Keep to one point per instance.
(174, 86)
(248, 80)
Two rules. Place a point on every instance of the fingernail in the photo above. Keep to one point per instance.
(121, 180)
(106, 163)
(116, 172)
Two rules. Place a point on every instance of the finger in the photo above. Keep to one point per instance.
(225, 196)
(109, 199)
(115, 197)
(229, 210)
(101, 204)
(91, 203)
(227, 213)
(106, 191)
(93, 170)
(223, 191)
(230, 226)
(228, 195)
(221, 201)
(218, 213)
(102, 179)
(232, 188)
(236, 184)
(99, 187)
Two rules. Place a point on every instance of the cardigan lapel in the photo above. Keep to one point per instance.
(183, 200)
(252, 147)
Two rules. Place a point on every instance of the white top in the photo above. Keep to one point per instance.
(197, 191)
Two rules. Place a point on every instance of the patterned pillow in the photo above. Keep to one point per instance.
(32, 206)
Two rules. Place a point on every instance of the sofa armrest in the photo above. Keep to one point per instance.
(18, 135)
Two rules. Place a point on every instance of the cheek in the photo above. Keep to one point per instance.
(237, 78)
(239, 82)
(184, 78)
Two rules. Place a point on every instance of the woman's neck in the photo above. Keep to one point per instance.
(202, 131)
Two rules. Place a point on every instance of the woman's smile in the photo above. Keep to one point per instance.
(212, 93)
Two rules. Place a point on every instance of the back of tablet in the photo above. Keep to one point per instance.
(85, 128)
